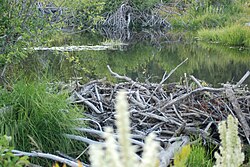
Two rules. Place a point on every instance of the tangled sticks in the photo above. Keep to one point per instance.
(170, 110)
(126, 16)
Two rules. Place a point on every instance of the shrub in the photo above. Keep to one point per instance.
(21, 26)
(7, 158)
(112, 5)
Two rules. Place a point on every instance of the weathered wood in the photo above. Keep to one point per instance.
(172, 149)
(237, 109)
(184, 96)
(48, 156)
(78, 48)
(170, 110)
(173, 110)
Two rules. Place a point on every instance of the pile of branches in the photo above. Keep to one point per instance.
(169, 110)
(173, 111)
(126, 15)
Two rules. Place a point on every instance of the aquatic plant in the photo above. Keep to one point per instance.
(125, 157)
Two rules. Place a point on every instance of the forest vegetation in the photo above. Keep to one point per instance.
(42, 120)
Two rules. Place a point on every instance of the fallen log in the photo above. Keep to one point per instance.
(109, 46)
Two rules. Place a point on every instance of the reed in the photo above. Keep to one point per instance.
(36, 118)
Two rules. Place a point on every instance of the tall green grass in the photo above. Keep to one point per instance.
(208, 14)
(37, 119)
(206, 20)
(235, 35)
(199, 157)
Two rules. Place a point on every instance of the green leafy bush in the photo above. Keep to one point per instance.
(21, 26)
(86, 13)
(7, 158)
(112, 5)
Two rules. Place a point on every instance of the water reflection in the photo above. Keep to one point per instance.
(141, 61)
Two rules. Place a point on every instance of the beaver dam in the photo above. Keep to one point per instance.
(173, 111)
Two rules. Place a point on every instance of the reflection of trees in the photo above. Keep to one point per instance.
(86, 64)
(41, 65)
(150, 36)
(210, 63)
(213, 64)
(121, 62)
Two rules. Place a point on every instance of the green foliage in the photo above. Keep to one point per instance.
(37, 117)
(193, 156)
(207, 14)
(89, 11)
(199, 157)
(181, 158)
(206, 20)
(235, 35)
(112, 5)
(21, 26)
(7, 158)
(144, 4)
(86, 13)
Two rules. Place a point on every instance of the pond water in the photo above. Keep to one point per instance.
(139, 60)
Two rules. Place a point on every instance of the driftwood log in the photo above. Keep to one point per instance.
(105, 46)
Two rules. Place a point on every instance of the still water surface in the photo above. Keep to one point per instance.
(140, 61)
